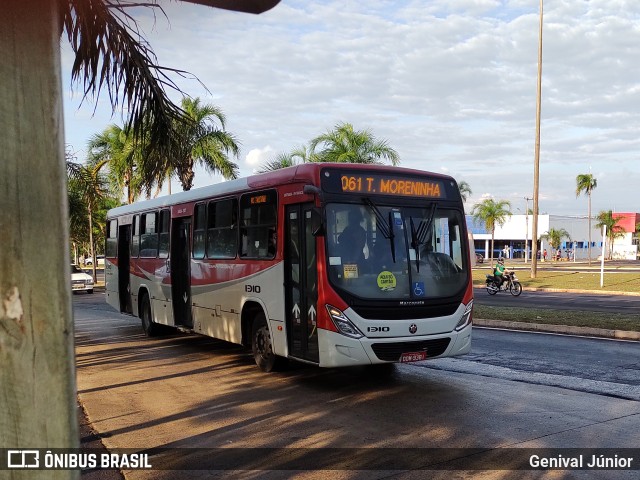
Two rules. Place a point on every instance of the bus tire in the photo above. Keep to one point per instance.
(261, 345)
(149, 327)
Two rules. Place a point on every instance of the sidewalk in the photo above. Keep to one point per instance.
(609, 265)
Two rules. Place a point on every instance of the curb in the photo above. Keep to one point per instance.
(565, 329)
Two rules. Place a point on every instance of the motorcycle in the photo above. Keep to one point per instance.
(510, 284)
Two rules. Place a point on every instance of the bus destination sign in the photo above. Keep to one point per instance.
(377, 184)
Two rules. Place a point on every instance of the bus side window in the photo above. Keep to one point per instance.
(149, 235)
(222, 233)
(135, 236)
(163, 242)
(258, 220)
(111, 248)
(199, 230)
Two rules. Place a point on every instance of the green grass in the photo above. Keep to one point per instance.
(571, 280)
(568, 279)
(612, 321)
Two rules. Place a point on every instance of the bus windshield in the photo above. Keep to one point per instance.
(396, 252)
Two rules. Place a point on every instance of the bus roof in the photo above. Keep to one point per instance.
(305, 173)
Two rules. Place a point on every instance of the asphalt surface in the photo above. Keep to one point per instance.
(520, 390)
(537, 299)
(590, 302)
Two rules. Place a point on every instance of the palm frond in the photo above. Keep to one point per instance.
(111, 54)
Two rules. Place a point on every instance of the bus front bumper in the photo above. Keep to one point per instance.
(337, 350)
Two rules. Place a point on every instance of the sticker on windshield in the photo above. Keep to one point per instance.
(398, 219)
(418, 289)
(350, 270)
(386, 281)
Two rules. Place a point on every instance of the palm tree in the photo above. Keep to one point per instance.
(465, 190)
(90, 188)
(283, 160)
(345, 145)
(586, 182)
(606, 219)
(116, 149)
(555, 235)
(198, 142)
(492, 213)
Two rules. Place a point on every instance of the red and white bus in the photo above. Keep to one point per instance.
(329, 264)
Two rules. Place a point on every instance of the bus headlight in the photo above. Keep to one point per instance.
(465, 319)
(342, 323)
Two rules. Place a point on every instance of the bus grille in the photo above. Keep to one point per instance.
(390, 352)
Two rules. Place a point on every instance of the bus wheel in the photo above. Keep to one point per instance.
(148, 326)
(261, 346)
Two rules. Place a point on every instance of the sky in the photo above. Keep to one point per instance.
(449, 84)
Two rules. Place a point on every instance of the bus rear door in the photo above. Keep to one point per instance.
(180, 267)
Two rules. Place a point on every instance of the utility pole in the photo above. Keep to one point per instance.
(526, 232)
(536, 162)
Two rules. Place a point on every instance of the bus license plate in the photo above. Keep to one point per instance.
(413, 357)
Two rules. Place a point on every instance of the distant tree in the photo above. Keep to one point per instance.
(554, 236)
(115, 149)
(606, 219)
(586, 182)
(202, 141)
(303, 154)
(89, 190)
(284, 160)
(492, 213)
(343, 144)
(465, 190)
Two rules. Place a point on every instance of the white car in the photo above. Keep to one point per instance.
(99, 261)
(80, 281)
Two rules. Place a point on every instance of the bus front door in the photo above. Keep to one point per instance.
(301, 283)
(180, 260)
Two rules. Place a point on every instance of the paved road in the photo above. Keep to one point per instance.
(609, 367)
(561, 301)
(515, 390)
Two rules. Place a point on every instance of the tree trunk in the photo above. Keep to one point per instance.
(91, 244)
(493, 231)
(186, 177)
(37, 377)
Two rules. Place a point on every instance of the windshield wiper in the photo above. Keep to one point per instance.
(419, 236)
(385, 226)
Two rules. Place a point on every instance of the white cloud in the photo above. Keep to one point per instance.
(258, 156)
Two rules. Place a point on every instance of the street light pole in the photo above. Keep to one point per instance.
(526, 232)
(536, 162)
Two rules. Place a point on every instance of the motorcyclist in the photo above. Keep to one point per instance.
(499, 272)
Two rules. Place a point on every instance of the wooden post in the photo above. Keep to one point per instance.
(37, 376)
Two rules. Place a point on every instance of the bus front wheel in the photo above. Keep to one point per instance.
(262, 347)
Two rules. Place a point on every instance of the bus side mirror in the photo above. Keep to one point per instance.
(317, 226)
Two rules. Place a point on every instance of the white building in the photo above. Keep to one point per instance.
(509, 239)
